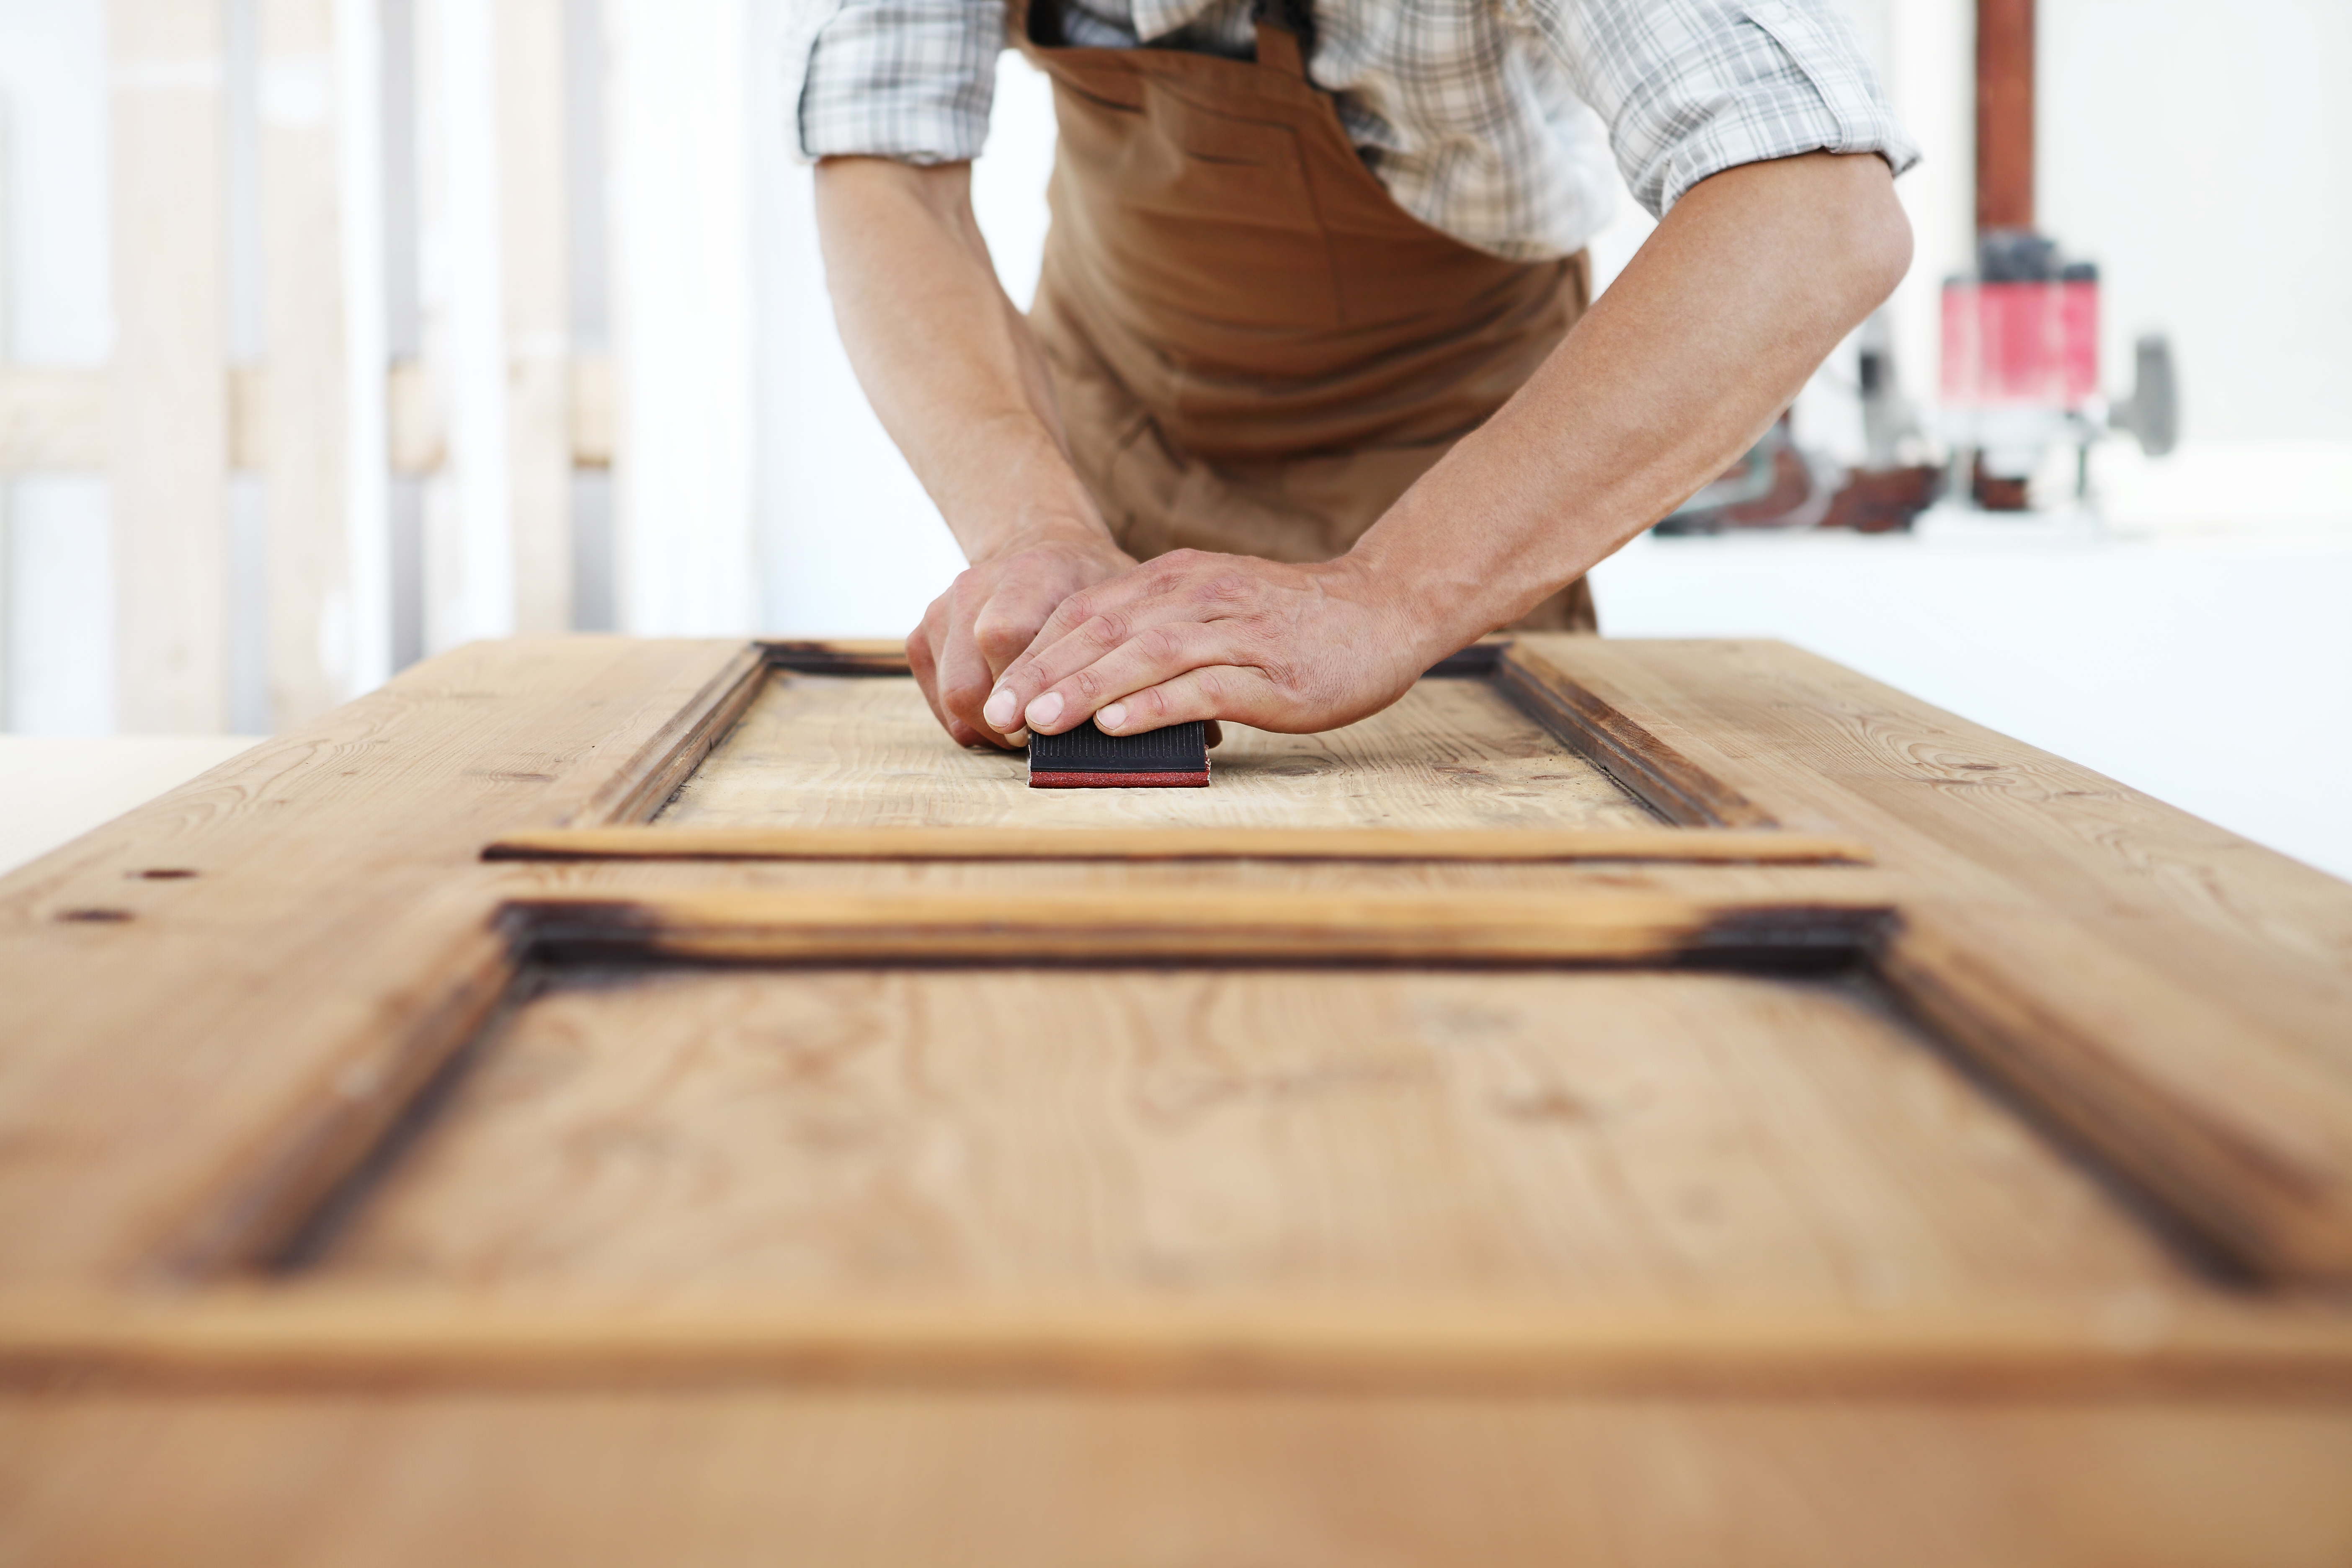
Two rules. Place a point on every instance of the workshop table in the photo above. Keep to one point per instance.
(605, 1100)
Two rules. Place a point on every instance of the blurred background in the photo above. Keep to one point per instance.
(334, 334)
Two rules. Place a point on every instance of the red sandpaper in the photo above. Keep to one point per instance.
(1120, 780)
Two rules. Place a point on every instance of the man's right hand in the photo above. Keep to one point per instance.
(987, 619)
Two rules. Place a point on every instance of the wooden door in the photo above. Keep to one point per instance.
(599, 1100)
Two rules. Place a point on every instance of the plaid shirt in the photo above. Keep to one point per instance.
(1478, 115)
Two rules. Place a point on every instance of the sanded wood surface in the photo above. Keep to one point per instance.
(1131, 845)
(1767, 1142)
(2180, 997)
(818, 751)
(1035, 1480)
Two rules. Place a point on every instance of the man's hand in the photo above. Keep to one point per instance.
(988, 618)
(1192, 635)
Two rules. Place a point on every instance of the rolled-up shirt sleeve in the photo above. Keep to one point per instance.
(910, 79)
(1691, 87)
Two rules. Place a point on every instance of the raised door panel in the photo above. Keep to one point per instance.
(1599, 1140)
(862, 751)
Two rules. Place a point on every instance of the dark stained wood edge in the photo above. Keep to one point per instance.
(1220, 927)
(1536, 845)
(1476, 662)
(317, 1339)
(642, 785)
(1650, 770)
(840, 657)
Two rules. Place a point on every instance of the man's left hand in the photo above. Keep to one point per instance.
(1192, 635)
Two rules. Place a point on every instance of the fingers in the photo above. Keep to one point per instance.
(964, 679)
(1154, 654)
(958, 675)
(923, 660)
(1180, 593)
(1231, 691)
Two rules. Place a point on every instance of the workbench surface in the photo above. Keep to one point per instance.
(1641, 1102)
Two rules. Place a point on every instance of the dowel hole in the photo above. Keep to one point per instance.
(164, 874)
(96, 917)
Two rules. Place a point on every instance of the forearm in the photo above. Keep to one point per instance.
(1753, 278)
(947, 362)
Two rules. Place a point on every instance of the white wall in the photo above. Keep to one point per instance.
(2202, 154)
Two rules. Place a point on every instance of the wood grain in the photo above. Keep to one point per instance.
(817, 750)
(1649, 768)
(636, 789)
(1135, 845)
(1605, 1139)
(1198, 925)
(1042, 1480)
(2179, 996)
(180, 1074)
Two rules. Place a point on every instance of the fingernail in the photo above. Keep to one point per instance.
(1112, 716)
(1001, 709)
(1018, 737)
(1045, 711)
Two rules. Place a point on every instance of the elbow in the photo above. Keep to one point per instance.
(1876, 241)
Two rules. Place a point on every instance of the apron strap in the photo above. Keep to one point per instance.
(1286, 32)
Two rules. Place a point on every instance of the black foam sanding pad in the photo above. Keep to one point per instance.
(1084, 758)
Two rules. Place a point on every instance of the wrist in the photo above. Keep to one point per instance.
(1046, 528)
(1415, 626)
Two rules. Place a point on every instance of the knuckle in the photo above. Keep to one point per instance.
(999, 633)
(1225, 587)
(1106, 631)
(1161, 644)
(962, 695)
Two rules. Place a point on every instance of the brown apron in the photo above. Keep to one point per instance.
(1256, 351)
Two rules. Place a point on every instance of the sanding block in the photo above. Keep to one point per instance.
(1084, 758)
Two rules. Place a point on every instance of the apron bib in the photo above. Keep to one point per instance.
(1256, 350)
